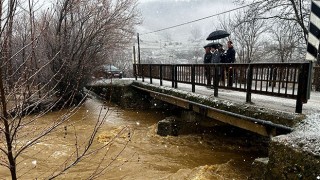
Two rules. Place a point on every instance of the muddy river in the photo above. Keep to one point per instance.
(127, 147)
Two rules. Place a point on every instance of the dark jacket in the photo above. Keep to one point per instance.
(216, 57)
(230, 55)
(223, 57)
(207, 58)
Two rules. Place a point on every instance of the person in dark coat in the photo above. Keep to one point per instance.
(207, 55)
(231, 53)
(216, 58)
(216, 55)
(230, 57)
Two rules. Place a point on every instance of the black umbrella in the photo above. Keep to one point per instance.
(218, 34)
(213, 44)
(208, 45)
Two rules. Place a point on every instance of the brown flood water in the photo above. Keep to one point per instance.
(134, 150)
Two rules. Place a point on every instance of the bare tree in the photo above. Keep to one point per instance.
(289, 20)
(53, 52)
(197, 54)
(6, 59)
(167, 36)
(295, 11)
(195, 34)
(82, 31)
(283, 42)
(246, 32)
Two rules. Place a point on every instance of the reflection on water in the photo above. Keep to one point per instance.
(130, 149)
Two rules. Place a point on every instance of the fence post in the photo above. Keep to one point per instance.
(161, 77)
(172, 75)
(249, 83)
(316, 77)
(216, 80)
(193, 78)
(175, 76)
(209, 75)
(150, 73)
(142, 70)
(302, 86)
(135, 71)
(134, 62)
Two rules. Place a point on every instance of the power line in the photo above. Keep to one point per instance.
(170, 27)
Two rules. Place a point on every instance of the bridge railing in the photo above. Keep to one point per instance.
(286, 80)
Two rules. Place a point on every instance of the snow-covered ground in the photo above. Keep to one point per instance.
(306, 135)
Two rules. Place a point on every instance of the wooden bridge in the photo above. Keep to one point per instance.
(282, 80)
(286, 80)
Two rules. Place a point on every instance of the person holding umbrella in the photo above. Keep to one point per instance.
(215, 35)
(231, 53)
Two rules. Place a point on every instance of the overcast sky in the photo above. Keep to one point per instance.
(159, 14)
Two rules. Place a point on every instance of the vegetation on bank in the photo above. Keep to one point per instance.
(48, 52)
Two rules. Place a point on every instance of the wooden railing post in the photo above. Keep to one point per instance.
(216, 80)
(142, 72)
(302, 86)
(193, 78)
(150, 73)
(135, 71)
(134, 63)
(249, 83)
(208, 71)
(300, 91)
(161, 76)
(175, 76)
(172, 75)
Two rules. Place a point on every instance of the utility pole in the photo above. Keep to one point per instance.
(134, 55)
(139, 60)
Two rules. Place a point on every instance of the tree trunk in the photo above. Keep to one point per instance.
(7, 132)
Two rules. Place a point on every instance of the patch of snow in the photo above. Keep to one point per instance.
(306, 135)
(114, 81)
(34, 163)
